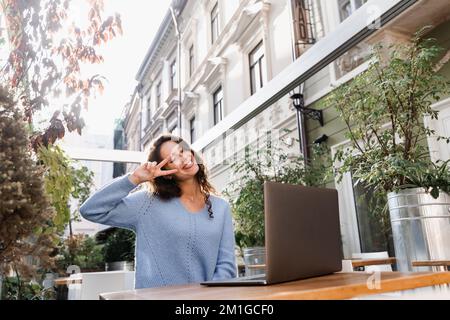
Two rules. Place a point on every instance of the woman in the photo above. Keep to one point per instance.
(184, 234)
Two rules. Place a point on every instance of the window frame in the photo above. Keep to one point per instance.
(148, 109)
(217, 105)
(335, 78)
(214, 22)
(191, 55)
(353, 7)
(173, 75)
(192, 128)
(259, 64)
(172, 122)
(158, 89)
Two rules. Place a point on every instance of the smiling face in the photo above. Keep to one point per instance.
(181, 158)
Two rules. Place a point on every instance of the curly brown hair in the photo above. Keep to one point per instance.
(166, 188)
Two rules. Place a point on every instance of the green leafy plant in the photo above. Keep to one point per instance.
(64, 180)
(119, 246)
(383, 110)
(272, 163)
(14, 288)
(82, 182)
(58, 183)
(83, 251)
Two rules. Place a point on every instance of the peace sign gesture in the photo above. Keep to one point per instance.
(148, 171)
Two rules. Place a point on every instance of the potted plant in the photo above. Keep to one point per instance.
(118, 249)
(383, 110)
(246, 193)
(82, 251)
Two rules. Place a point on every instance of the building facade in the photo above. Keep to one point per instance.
(132, 124)
(232, 49)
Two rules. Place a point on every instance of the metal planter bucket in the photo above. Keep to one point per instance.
(255, 260)
(119, 266)
(420, 227)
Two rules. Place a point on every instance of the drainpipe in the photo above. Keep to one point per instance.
(140, 95)
(176, 6)
(301, 125)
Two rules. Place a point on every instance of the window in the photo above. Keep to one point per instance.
(192, 129)
(149, 112)
(157, 131)
(347, 7)
(218, 105)
(191, 60)
(357, 55)
(215, 22)
(173, 75)
(173, 129)
(257, 68)
(158, 95)
(172, 122)
(374, 235)
(305, 22)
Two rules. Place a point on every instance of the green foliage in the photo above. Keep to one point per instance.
(248, 211)
(58, 183)
(82, 183)
(383, 109)
(83, 180)
(119, 246)
(272, 163)
(80, 250)
(64, 181)
(16, 289)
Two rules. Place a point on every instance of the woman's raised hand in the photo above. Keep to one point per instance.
(148, 171)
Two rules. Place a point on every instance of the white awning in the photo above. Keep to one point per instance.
(91, 154)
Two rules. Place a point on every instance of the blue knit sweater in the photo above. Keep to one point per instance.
(173, 246)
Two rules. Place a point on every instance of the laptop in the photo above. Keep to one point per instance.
(302, 235)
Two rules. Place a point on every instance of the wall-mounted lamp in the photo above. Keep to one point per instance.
(299, 104)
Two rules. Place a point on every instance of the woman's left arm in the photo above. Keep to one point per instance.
(226, 260)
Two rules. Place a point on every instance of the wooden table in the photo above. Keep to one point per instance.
(432, 263)
(372, 262)
(334, 286)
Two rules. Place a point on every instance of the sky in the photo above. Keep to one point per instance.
(123, 56)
